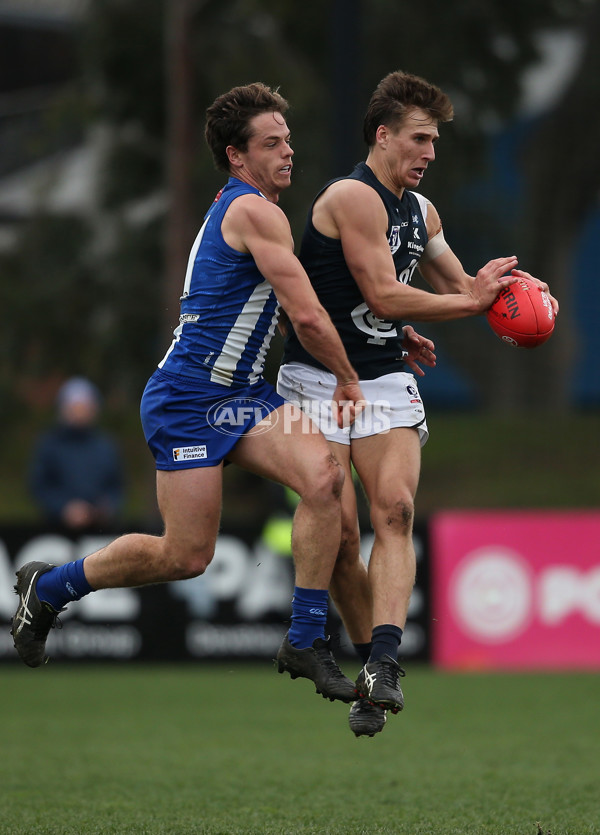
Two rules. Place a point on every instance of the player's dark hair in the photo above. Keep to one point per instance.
(228, 118)
(398, 93)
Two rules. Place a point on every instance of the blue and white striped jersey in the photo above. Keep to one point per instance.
(228, 309)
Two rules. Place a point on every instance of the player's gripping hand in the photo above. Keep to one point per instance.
(542, 285)
(492, 278)
(348, 402)
(417, 349)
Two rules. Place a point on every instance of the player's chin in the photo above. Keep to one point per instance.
(284, 178)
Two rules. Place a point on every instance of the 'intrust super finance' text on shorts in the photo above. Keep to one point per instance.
(188, 423)
(392, 401)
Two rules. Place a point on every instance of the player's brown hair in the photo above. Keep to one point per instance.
(228, 118)
(398, 93)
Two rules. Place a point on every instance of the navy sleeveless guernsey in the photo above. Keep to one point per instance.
(373, 345)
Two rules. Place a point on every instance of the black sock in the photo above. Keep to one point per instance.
(363, 651)
(386, 641)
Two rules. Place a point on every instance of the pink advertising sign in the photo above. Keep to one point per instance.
(516, 590)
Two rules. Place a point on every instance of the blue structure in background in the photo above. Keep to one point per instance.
(500, 195)
(586, 309)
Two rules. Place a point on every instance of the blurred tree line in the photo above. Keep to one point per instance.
(97, 292)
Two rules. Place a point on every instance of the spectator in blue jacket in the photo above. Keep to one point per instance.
(76, 473)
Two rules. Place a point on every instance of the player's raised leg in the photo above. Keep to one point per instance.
(190, 503)
(293, 453)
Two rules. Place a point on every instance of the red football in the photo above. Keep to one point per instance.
(522, 315)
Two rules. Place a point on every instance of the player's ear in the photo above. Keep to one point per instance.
(381, 136)
(234, 157)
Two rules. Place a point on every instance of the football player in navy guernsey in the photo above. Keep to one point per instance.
(208, 402)
(365, 236)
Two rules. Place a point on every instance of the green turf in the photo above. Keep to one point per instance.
(239, 749)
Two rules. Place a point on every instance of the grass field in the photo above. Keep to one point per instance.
(223, 750)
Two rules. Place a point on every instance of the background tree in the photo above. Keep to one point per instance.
(148, 71)
(563, 184)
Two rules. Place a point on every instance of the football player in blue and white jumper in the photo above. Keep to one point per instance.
(207, 402)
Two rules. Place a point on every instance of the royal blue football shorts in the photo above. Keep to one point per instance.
(195, 424)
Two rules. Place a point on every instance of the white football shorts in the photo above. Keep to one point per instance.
(392, 401)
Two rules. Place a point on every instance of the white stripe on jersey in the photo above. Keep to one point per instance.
(186, 287)
(177, 336)
(192, 258)
(259, 363)
(241, 331)
(423, 203)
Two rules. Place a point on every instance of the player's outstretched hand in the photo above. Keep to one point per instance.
(542, 285)
(491, 279)
(348, 402)
(417, 349)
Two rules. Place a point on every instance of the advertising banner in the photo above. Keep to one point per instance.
(516, 590)
(240, 608)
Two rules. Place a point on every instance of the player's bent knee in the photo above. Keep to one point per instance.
(349, 543)
(190, 570)
(190, 562)
(397, 515)
(324, 482)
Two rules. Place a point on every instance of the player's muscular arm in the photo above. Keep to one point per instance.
(263, 230)
(445, 274)
(361, 221)
(439, 266)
